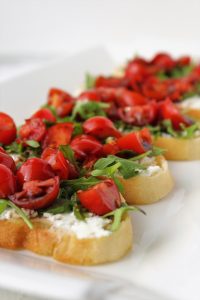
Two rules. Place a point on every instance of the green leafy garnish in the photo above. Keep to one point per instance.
(89, 81)
(88, 109)
(118, 214)
(7, 203)
(169, 128)
(60, 206)
(33, 144)
(189, 132)
(82, 183)
(182, 71)
(69, 154)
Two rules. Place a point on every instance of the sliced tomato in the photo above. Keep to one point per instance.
(7, 161)
(163, 61)
(33, 129)
(8, 129)
(37, 194)
(45, 114)
(183, 61)
(34, 169)
(155, 89)
(61, 101)
(111, 81)
(90, 95)
(100, 127)
(136, 70)
(85, 145)
(139, 115)
(138, 141)
(100, 198)
(7, 182)
(124, 98)
(169, 111)
(110, 148)
(57, 161)
(59, 134)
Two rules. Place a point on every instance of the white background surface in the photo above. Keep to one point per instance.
(33, 31)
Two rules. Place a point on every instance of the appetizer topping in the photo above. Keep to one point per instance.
(61, 101)
(7, 129)
(7, 182)
(33, 129)
(45, 114)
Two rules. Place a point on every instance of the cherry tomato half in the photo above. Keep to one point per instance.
(100, 127)
(100, 198)
(33, 129)
(90, 95)
(138, 141)
(57, 161)
(7, 129)
(7, 161)
(61, 101)
(125, 98)
(168, 111)
(59, 134)
(85, 145)
(34, 169)
(7, 182)
(163, 61)
(139, 115)
(37, 194)
(45, 114)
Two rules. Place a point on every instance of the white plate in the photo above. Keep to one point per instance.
(165, 261)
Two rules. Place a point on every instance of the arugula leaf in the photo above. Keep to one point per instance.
(14, 148)
(169, 128)
(60, 206)
(33, 144)
(189, 132)
(89, 81)
(82, 183)
(182, 71)
(127, 168)
(118, 214)
(77, 129)
(51, 108)
(88, 109)
(7, 203)
(69, 154)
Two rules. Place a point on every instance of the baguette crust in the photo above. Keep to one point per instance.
(64, 246)
(179, 149)
(148, 189)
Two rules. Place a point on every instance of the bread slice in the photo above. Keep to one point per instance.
(64, 246)
(178, 148)
(148, 189)
(193, 113)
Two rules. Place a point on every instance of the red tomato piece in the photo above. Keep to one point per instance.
(168, 111)
(90, 95)
(136, 70)
(45, 114)
(7, 161)
(155, 89)
(100, 127)
(59, 134)
(33, 129)
(111, 81)
(61, 101)
(34, 169)
(125, 98)
(110, 148)
(7, 182)
(100, 198)
(163, 61)
(57, 161)
(183, 61)
(37, 194)
(8, 129)
(85, 145)
(138, 141)
(139, 115)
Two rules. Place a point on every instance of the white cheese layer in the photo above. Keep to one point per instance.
(10, 213)
(193, 102)
(91, 227)
(152, 167)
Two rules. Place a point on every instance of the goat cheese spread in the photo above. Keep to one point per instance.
(193, 102)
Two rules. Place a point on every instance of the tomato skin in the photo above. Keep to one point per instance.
(7, 182)
(168, 111)
(138, 141)
(33, 129)
(61, 101)
(163, 61)
(34, 169)
(37, 194)
(100, 198)
(84, 145)
(8, 129)
(45, 114)
(110, 82)
(139, 115)
(100, 127)
(57, 161)
(59, 134)
(136, 70)
(90, 95)
(110, 148)
(125, 98)
(7, 161)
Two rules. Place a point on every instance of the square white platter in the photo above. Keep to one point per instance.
(165, 260)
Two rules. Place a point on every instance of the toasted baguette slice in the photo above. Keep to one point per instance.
(193, 113)
(148, 189)
(179, 149)
(65, 246)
